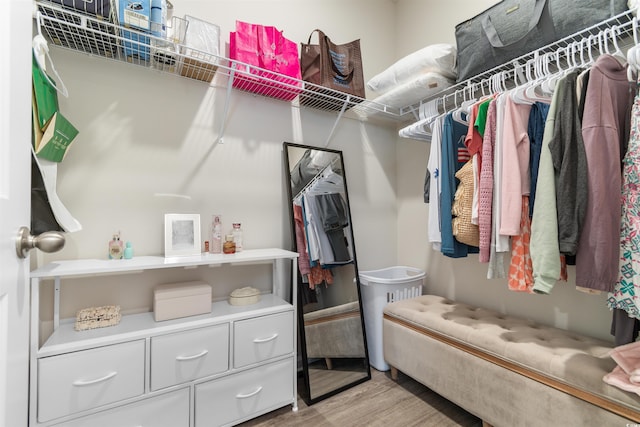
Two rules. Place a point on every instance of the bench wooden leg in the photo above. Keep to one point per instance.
(329, 363)
(394, 374)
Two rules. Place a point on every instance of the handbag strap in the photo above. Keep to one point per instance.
(320, 35)
(325, 45)
(536, 18)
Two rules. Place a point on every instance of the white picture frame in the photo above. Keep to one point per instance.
(181, 235)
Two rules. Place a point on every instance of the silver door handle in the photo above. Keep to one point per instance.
(49, 241)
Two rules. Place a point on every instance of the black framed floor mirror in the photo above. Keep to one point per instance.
(332, 341)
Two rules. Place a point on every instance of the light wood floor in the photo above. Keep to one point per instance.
(378, 402)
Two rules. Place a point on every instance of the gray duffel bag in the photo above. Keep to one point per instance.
(513, 28)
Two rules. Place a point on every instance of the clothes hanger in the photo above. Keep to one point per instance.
(535, 92)
(601, 43)
(549, 84)
(421, 129)
(589, 50)
(41, 53)
(614, 33)
(460, 114)
(518, 94)
(407, 131)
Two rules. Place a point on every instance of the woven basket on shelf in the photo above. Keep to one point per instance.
(97, 317)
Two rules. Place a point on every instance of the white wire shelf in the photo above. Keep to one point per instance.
(70, 29)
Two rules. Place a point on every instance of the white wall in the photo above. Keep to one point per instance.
(144, 134)
(148, 146)
(465, 279)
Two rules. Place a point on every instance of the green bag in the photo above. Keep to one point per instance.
(56, 139)
(45, 94)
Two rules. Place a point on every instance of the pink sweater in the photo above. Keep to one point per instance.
(515, 172)
(485, 198)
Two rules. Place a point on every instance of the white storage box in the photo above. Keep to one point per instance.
(379, 288)
(175, 300)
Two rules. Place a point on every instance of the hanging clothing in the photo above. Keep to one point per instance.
(333, 219)
(545, 253)
(434, 183)
(464, 230)
(626, 292)
(453, 150)
(515, 177)
(570, 166)
(537, 120)
(473, 139)
(605, 129)
(521, 268)
(499, 244)
(624, 328)
(502, 242)
(313, 275)
(485, 197)
(481, 119)
(301, 242)
(314, 244)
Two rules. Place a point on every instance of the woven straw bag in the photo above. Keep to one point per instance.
(463, 230)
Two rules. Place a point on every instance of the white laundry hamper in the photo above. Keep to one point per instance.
(378, 288)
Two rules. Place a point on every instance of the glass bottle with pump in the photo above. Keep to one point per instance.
(237, 236)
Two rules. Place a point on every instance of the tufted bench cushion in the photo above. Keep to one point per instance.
(328, 332)
(567, 362)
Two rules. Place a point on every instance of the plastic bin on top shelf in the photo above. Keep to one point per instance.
(380, 287)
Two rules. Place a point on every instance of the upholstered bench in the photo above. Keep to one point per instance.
(506, 370)
(329, 332)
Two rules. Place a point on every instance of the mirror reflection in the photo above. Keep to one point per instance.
(332, 339)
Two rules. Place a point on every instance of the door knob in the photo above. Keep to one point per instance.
(49, 241)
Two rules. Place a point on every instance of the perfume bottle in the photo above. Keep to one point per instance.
(116, 250)
(216, 235)
(237, 236)
(229, 246)
(128, 251)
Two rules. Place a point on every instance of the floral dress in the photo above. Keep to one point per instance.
(626, 293)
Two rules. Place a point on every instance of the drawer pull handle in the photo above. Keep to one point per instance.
(81, 383)
(271, 338)
(253, 393)
(195, 356)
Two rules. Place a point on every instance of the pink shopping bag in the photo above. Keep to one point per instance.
(273, 66)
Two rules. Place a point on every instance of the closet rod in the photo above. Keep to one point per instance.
(623, 22)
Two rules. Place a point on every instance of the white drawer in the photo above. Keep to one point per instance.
(86, 379)
(167, 410)
(244, 395)
(184, 356)
(262, 338)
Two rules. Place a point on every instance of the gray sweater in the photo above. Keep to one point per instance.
(570, 166)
